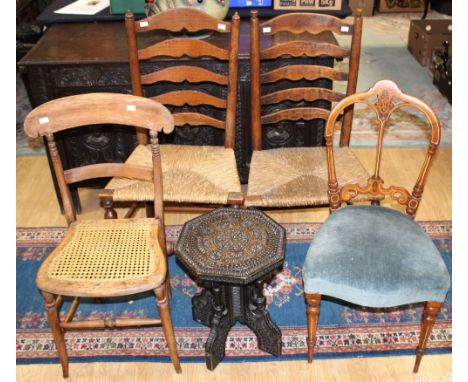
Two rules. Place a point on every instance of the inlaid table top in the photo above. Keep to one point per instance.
(231, 245)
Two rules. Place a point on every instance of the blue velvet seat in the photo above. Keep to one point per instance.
(371, 255)
(375, 257)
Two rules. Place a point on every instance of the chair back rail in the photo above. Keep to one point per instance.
(177, 20)
(386, 94)
(189, 20)
(295, 114)
(298, 94)
(108, 109)
(183, 73)
(300, 72)
(306, 22)
(295, 47)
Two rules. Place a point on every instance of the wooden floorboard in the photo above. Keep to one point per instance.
(36, 205)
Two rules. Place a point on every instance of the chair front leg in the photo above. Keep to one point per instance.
(313, 312)
(53, 317)
(431, 310)
(165, 314)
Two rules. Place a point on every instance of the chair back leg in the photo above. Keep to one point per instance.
(164, 313)
(57, 332)
(313, 312)
(431, 310)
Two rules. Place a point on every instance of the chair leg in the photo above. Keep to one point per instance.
(313, 312)
(165, 314)
(52, 316)
(431, 309)
(109, 211)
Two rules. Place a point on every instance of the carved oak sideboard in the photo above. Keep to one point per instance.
(77, 58)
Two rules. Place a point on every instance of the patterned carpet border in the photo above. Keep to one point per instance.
(294, 232)
(362, 333)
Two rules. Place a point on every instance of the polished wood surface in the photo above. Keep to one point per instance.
(389, 98)
(296, 25)
(191, 20)
(103, 108)
(35, 207)
(383, 98)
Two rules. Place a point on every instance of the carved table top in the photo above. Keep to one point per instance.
(231, 245)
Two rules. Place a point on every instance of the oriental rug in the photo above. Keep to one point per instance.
(344, 330)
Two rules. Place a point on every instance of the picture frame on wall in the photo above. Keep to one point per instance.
(307, 5)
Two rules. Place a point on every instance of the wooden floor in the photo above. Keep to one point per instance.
(36, 205)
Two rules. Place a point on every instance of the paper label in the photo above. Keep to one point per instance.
(131, 107)
(267, 30)
(222, 27)
(143, 24)
(344, 28)
(43, 120)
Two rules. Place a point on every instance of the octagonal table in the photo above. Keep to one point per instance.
(231, 253)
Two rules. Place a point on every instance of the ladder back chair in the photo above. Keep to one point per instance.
(193, 174)
(105, 258)
(296, 176)
(371, 255)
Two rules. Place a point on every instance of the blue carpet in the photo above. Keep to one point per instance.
(344, 330)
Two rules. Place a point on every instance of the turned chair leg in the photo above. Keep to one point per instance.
(109, 211)
(313, 312)
(431, 310)
(165, 314)
(52, 316)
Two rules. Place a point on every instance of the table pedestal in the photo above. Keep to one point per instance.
(220, 306)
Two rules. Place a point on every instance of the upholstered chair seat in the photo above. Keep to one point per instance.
(191, 174)
(376, 257)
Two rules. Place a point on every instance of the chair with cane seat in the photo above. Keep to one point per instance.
(105, 258)
(193, 174)
(371, 255)
(294, 91)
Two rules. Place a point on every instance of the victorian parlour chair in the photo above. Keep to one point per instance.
(371, 255)
(105, 258)
(201, 93)
(293, 99)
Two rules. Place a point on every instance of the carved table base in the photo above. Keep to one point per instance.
(220, 306)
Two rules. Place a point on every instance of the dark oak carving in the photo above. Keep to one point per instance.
(231, 253)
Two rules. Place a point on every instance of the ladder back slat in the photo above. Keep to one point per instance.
(179, 47)
(301, 48)
(177, 74)
(301, 94)
(197, 119)
(306, 22)
(295, 114)
(300, 72)
(183, 19)
(190, 97)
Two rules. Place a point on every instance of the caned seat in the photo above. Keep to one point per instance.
(372, 255)
(200, 174)
(204, 173)
(288, 92)
(105, 258)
